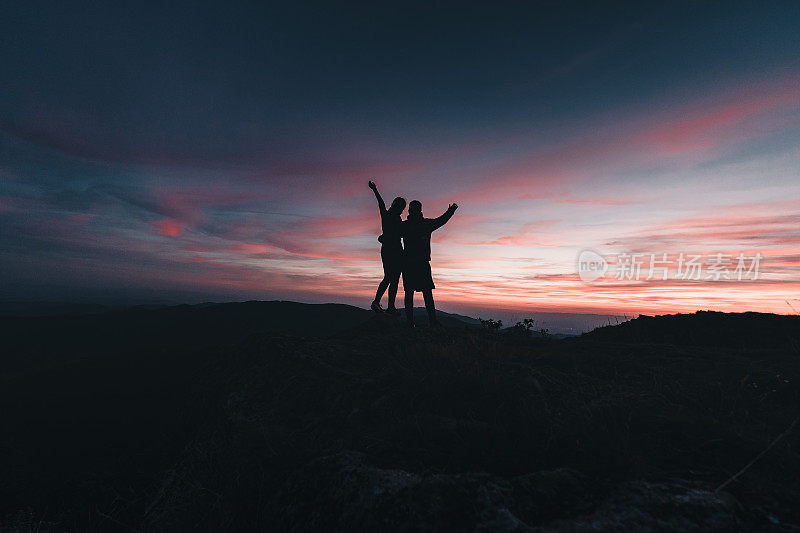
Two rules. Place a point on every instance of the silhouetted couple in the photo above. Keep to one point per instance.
(412, 258)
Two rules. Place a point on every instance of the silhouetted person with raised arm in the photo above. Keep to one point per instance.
(391, 250)
(417, 259)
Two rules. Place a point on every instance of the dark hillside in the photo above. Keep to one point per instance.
(377, 427)
(33, 341)
(708, 328)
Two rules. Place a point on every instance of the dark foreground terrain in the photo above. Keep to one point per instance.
(278, 416)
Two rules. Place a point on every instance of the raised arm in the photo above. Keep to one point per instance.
(381, 204)
(438, 222)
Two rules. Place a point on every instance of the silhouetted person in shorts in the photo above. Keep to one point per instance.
(391, 250)
(416, 232)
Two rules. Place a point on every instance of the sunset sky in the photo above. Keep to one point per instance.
(199, 151)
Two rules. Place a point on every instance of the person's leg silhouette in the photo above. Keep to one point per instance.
(393, 285)
(409, 301)
(376, 303)
(430, 307)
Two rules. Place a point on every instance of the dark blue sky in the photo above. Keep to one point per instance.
(201, 83)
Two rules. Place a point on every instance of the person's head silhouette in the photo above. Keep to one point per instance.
(415, 209)
(398, 204)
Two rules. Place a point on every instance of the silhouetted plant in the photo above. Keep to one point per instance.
(491, 325)
(522, 329)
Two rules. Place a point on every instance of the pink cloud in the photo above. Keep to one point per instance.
(169, 227)
(697, 131)
(739, 224)
(326, 227)
(705, 128)
(250, 248)
(531, 234)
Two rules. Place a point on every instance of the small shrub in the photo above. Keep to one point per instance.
(522, 329)
(491, 325)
